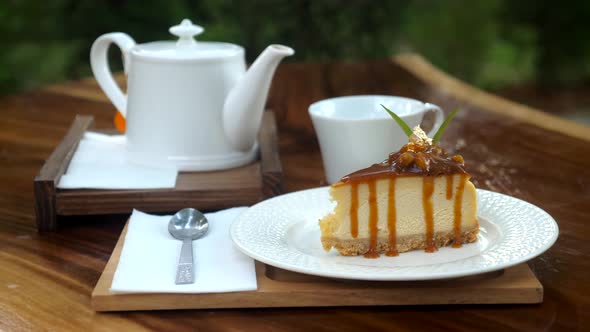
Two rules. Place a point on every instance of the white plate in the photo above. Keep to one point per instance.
(284, 232)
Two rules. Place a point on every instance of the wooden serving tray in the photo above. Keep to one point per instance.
(280, 288)
(215, 190)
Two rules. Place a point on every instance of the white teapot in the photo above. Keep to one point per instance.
(190, 104)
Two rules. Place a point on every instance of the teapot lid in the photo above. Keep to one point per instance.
(186, 47)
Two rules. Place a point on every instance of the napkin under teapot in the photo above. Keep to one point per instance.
(150, 255)
(100, 162)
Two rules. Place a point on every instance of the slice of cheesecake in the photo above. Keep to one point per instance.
(419, 198)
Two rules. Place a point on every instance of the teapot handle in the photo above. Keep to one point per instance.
(100, 66)
(439, 117)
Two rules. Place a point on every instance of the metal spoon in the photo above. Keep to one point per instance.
(187, 225)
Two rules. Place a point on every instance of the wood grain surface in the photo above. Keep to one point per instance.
(46, 279)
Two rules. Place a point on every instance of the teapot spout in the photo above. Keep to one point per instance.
(243, 108)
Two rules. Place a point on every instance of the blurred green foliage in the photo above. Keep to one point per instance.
(491, 43)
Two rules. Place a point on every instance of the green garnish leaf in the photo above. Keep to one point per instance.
(399, 121)
(443, 126)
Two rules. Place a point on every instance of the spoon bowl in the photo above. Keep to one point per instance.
(188, 224)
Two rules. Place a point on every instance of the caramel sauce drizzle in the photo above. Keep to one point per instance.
(354, 202)
(427, 190)
(449, 186)
(413, 159)
(458, 216)
(391, 219)
(373, 218)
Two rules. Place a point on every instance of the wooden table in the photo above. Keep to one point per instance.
(46, 279)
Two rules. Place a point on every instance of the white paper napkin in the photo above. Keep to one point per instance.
(150, 256)
(100, 163)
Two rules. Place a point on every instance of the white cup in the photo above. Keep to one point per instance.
(355, 132)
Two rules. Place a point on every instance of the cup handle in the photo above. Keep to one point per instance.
(439, 117)
(100, 66)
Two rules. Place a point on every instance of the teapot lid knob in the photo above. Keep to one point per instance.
(185, 32)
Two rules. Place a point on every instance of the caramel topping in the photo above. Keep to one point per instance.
(417, 158)
(427, 190)
(412, 160)
(457, 213)
(391, 219)
(449, 187)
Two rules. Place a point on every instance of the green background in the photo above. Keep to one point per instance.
(490, 43)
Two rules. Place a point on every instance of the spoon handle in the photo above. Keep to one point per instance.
(185, 273)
